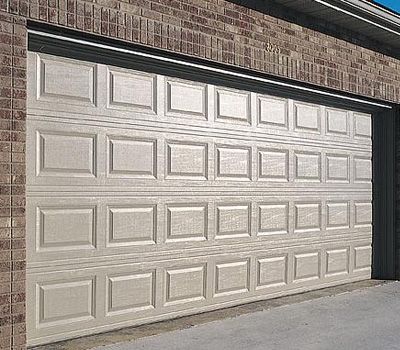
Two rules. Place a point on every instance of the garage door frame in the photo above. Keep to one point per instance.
(384, 252)
(89, 48)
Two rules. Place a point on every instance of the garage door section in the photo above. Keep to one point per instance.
(150, 197)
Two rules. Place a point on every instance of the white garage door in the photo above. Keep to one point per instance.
(150, 197)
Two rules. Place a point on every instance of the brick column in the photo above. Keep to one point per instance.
(13, 47)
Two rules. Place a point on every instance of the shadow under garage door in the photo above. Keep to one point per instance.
(151, 197)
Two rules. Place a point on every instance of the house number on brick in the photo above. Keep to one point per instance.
(272, 48)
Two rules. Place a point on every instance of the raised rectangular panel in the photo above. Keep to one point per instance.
(132, 225)
(363, 214)
(66, 228)
(273, 164)
(187, 222)
(337, 262)
(306, 266)
(186, 284)
(135, 90)
(233, 105)
(272, 271)
(131, 292)
(307, 216)
(66, 154)
(337, 122)
(187, 160)
(362, 125)
(338, 215)
(232, 277)
(307, 117)
(186, 98)
(337, 168)
(273, 218)
(362, 169)
(63, 303)
(272, 111)
(233, 220)
(132, 157)
(66, 80)
(362, 258)
(233, 162)
(308, 166)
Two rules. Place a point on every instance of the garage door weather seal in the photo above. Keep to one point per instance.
(208, 68)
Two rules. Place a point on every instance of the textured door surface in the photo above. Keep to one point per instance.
(150, 197)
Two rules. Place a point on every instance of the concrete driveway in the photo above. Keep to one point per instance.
(362, 319)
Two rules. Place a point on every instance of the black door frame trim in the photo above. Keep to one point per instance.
(384, 250)
(83, 46)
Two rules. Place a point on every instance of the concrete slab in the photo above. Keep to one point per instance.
(135, 333)
(363, 319)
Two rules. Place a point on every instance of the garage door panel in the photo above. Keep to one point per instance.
(132, 157)
(337, 215)
(362, 258)
(308, 216)
(134, 224)
(132, 90)
(60, 228)
(233, 220)
(307, 266)
(124, 294)
(53, 309)
(362, 169)
(272, 271)
(340, 126)
(66, 227)
(232, 277)
(307, 166)
(186, 98)
(337, 261)
(272, 112)
(186, 160)
(185, 284)
(307, 117)
(187, 222)
(130, 292)
(273, 164)
(233, 106)
(57, 155)
(337, 122)
(362, 213)
(150, 197)
(66, 154)
(69, 154)
(53, 71)
(338, 167)
(273, 218)
(362, 125)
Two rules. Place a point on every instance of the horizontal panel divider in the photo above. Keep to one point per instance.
(249, 248)
(159, 193)
(218, 132)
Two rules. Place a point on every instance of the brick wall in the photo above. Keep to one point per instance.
(211, 29)
(229, 33)
(12, 180)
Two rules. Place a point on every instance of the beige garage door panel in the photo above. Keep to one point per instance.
(118, 293)
(150, 197)
(80, 227)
